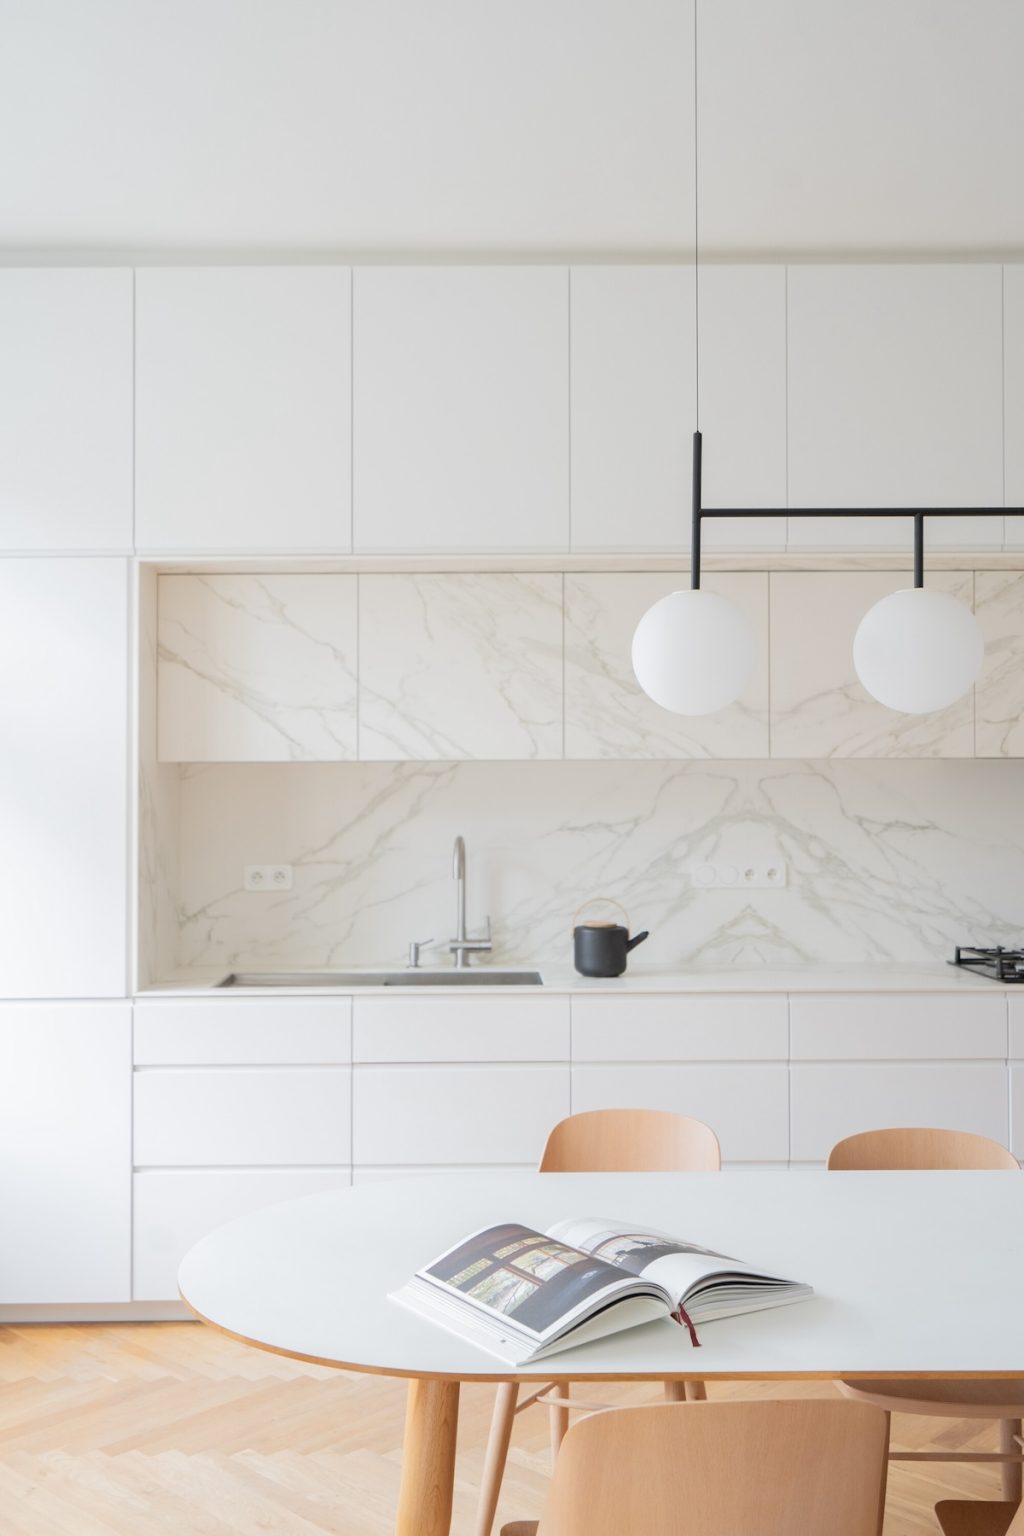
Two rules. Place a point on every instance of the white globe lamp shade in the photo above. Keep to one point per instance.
(693, 652)
(918, 650)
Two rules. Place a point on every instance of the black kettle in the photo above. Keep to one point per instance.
(600, 948)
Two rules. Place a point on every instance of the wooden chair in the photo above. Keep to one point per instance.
(979, 1517)
(598, 1141)
(923, 1148)
(797, 1468)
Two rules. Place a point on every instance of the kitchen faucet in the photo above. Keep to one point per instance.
(462, 946)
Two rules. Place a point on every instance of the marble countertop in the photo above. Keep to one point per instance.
(933, 976)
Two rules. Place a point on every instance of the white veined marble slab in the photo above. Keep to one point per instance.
(257, 668)
(607, 713)
(819, 706)
(999, 693)
(460, 666)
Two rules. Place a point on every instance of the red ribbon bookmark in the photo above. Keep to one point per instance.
(681, 1316)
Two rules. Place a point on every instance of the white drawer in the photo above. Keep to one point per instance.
(680, 1028)
(1017, 1111)
(746, 1106)
(830, 1102)
(456, 1115)
(262, 1115)
(1015, 1004)
(243, 1032)
(461, 1029)
(898, 1026)
(173, 1209)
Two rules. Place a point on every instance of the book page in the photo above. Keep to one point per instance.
(677, 1265)
(537, 1284)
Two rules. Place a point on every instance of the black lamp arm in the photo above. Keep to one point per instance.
(917, 513)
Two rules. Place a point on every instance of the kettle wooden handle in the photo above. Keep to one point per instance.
(590, 902)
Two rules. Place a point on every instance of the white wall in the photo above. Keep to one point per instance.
(548, 124)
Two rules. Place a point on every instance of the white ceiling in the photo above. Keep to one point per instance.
(510, 126)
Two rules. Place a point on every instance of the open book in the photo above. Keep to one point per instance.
(522, 1294)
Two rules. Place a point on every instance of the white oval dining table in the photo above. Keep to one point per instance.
(915, 1275)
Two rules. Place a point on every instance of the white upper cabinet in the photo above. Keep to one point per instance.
(742, 357)
(63, 777)
(633, 406)
(634, 403)
(461, 380)
(895, 399)
(65, 1151)
(65, 409)
(243, 408)
(1013, 332)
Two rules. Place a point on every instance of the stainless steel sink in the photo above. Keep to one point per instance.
(344, 980)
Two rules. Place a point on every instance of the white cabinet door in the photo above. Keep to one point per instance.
(684, 1028)
(634, 403)
(1013, 341)
(909, 1026)
(174, 1208)
(257, 668)
(255, 1116)
(457, 1029)
(819, 707)
(746, 1106)
(65, 1153)
(63, 777)
(249, 1032)
(456, 1114)
(65, 409)
(633, 406)
(461, 408)
(999, 691)
(895, 399)
(607, 713)
(243, 408)
(454, 666)
(830, 1102)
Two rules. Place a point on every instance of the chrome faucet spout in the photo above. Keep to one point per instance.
(462, 946)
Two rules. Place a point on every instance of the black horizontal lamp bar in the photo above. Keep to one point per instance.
(700, 512)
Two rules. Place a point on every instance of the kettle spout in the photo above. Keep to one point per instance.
(632, 943)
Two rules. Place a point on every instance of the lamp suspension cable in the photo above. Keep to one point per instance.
(693, 651)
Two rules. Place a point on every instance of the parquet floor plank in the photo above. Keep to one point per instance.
(170, 1429)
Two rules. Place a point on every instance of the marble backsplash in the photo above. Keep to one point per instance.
(886, 861)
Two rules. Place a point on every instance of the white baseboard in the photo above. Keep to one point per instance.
(96, 1312)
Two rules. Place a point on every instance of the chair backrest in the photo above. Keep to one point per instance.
(796, 1468)
(919, 1147)
(631, 1141)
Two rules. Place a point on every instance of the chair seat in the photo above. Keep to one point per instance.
(974, 1517)
(952, 1399)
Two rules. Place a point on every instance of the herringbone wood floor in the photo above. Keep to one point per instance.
(146, 1430)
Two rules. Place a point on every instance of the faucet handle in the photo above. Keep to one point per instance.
(415, 945)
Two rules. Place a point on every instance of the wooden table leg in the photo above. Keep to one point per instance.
(428, 1458)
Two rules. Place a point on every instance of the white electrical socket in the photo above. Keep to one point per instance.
(268, 877)
(759, 875)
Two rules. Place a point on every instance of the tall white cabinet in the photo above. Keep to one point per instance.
(64, 674)
(65, 1153)
(65, 1066)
